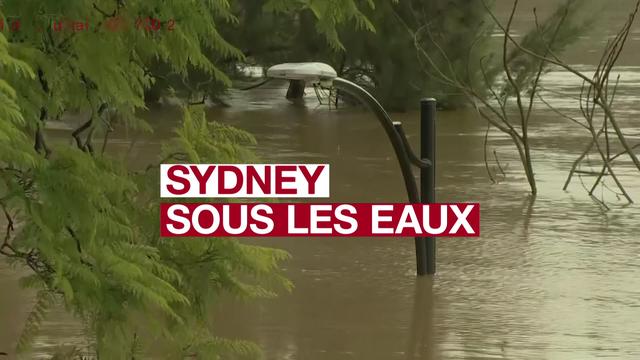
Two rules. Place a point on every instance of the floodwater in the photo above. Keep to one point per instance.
(555, 277)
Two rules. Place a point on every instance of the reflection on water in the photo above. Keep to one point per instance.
(550, 278)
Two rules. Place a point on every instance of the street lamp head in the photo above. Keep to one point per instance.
(313, 72)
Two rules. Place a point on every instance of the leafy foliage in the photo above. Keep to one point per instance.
(459, 37)
(83, 221)
(550, 35)
(379, 54)
(266, 31)
(329, 15)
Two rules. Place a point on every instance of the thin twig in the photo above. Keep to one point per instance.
(486, 161)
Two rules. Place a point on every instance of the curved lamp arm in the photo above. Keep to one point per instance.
(394, 136)
(415, 160)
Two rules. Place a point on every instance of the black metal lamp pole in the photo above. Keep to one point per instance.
(428, 174)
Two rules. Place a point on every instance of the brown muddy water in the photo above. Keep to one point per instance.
(555, 277)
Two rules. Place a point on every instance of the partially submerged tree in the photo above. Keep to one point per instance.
(515, 84)
(596, 103)
(511, 79)
(83, 221)
(463, 31)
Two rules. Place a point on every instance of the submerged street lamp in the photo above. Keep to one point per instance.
(325, 75)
